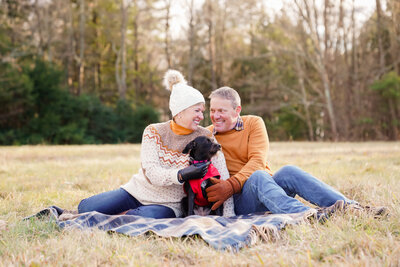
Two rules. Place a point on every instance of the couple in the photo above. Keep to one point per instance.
(247, 185)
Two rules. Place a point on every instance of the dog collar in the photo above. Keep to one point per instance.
(199, 161)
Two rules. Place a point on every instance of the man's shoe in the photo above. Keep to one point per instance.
(377, 212)
(325, 212)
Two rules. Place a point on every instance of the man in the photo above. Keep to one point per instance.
(255, 188)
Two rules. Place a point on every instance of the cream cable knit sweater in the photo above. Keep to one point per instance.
(161, 158)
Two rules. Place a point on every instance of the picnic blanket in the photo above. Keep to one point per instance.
(219, 232)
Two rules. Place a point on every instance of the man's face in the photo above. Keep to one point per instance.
(223, 115)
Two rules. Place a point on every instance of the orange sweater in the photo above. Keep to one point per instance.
(246, 150)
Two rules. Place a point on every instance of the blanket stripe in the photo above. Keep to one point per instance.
(219, 232)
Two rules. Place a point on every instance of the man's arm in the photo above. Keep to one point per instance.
(257, 147)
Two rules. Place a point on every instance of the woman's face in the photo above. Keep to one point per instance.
(191, 117)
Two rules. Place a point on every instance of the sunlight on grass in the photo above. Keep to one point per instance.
(35, 177)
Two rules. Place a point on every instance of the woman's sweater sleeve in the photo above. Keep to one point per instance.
(154, 172)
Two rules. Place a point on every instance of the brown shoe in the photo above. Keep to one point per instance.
(377, 212)
(324, 213)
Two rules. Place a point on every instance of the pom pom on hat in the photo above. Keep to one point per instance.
(182, 95)
(173, 77)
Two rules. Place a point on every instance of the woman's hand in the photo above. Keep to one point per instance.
(194, 171)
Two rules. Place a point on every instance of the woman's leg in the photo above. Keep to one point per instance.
(152, 211)
(110, 202)
(119, 201)
(298, 182)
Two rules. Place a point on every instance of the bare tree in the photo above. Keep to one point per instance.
(395, 41)
(304, 99)
(211, 50)
(120, 62)
(192, 39)
(380, 28)
(70, 51)
(43, 26)
(394, 29)
(81, 59)
(167, 37)
(124, 18)
(382, 65)
(136, 80)
(320, 57)
(96, 66)
(220, 42)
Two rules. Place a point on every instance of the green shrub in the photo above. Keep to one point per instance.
(16, 97)
(144, 115)
(101, 121)
(36, 110)
(286, 126)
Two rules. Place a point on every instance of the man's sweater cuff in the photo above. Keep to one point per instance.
(235, 185)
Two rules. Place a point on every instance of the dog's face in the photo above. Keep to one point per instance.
(201, 148)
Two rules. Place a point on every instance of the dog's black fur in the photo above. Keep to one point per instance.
(200, 149)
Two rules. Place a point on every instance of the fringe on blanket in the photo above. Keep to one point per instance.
(271, 233)
(265, 233)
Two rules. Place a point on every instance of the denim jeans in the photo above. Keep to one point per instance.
(117, 201)
(263, 192)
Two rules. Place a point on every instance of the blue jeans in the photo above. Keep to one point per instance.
(117, 201)
(263, 192)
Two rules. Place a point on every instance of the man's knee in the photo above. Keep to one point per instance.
(260, 174)
(83, 207)
(259, 177)
(287, 171)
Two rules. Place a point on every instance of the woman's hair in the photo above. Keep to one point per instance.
(227, 93)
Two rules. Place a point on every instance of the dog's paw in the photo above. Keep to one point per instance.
(202, 211)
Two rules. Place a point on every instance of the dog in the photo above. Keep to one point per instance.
(201, 149)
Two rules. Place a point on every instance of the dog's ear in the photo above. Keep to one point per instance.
(191, 145)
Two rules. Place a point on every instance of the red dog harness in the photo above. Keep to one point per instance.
(196, 185)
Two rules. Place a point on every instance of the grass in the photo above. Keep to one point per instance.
(34, 177)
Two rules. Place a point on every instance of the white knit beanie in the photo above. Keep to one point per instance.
(182, 95)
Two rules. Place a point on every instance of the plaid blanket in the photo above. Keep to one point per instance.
(219, 232)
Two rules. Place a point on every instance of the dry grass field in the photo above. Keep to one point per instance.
(35, 177)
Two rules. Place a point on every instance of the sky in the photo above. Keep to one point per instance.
(179, 12)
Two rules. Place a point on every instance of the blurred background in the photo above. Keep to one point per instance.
(90, 71)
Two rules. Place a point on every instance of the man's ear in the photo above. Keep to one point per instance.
(191, 145)
(238, 109)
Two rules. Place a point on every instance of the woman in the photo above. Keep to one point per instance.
(156, 191)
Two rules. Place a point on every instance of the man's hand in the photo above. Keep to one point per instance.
(220, 191)
(195, 171)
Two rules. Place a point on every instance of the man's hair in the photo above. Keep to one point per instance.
(227, 93)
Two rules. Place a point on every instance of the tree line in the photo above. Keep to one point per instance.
(44, 113)
(74, 70)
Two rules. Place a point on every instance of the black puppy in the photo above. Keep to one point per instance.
(201, 149)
